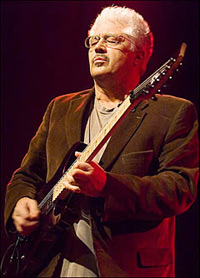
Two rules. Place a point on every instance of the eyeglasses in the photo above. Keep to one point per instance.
(109, 39)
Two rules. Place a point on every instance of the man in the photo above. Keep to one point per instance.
(125, 201)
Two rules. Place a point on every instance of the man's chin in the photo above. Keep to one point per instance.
(99, 73)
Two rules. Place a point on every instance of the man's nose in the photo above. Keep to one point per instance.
(100, 47)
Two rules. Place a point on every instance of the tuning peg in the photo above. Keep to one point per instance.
(146, 92)
(168, 67)
(157, 79)
(177, 70)
(163, 73)
(170, 77)
(154, 98)
(159, 91)
(173, 59)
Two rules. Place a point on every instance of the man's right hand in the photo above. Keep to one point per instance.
(26, 216)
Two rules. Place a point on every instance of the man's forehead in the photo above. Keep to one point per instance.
(106, 28)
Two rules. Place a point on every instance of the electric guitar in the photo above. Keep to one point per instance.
(28, 255)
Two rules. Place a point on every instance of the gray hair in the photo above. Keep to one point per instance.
(133, 24)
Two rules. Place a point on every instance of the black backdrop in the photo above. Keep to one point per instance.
(43, 55)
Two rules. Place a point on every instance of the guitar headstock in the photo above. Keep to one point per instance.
(148, 88)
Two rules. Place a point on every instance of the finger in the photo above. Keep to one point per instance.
(77, 154)
(22, 224)
(27, 227)
(73, 188)
(83, 166)
(34, 211)
(26, 208)
(70, 179)
(80, 175)
(20, 212)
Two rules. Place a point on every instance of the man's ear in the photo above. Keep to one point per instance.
(139, 58)
(139, 62)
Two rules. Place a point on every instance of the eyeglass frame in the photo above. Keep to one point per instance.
(105, 39)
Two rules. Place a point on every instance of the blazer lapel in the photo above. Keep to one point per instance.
(76, 118)
(122, 135)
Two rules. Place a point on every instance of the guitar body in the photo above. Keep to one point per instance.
(28, 256)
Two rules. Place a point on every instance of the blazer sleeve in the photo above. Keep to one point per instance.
(28, 179)
(172, 189)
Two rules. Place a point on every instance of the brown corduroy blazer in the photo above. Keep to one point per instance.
(152, 170)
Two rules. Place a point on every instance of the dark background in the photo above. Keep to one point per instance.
(43, 55)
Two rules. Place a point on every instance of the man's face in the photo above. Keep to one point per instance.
(106, 60)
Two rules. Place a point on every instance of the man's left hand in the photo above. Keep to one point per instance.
(86, 178)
